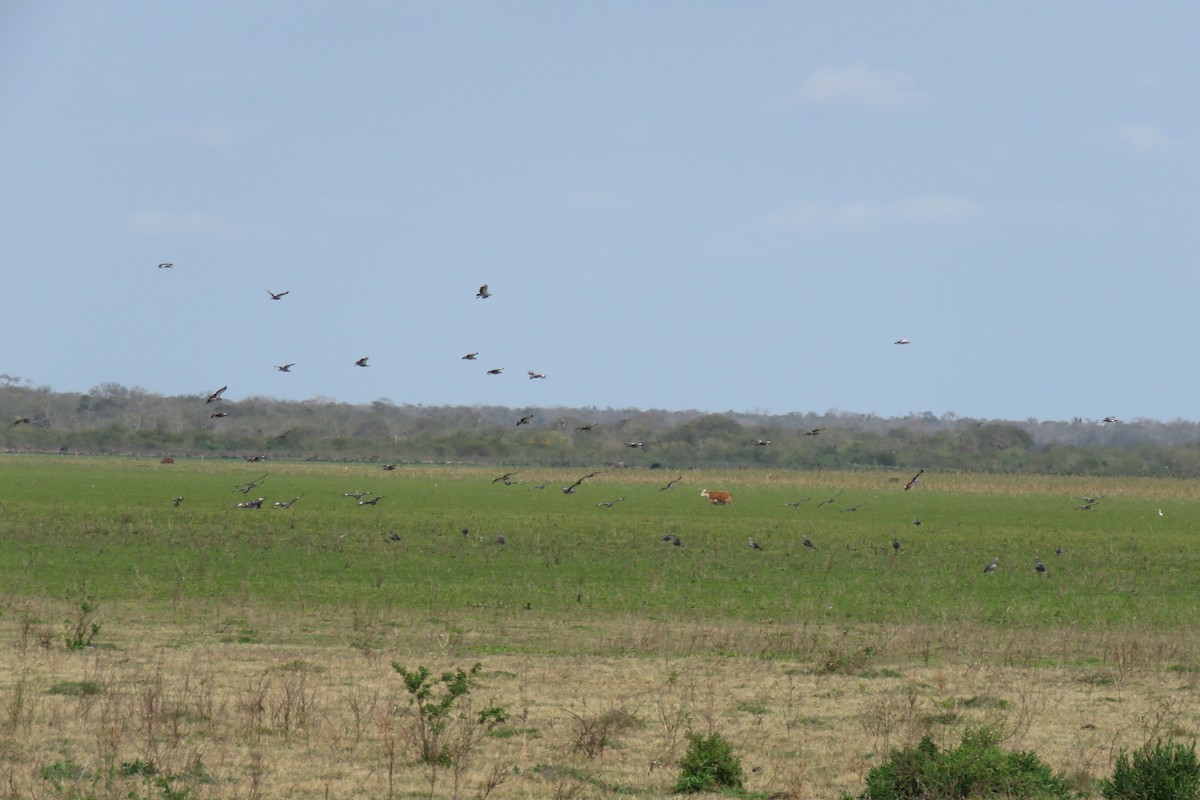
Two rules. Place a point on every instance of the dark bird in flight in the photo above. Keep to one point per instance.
(287, 503)
(585, 427)
(830, 501)
(372, 501)
(903, 341)
(1110, 419)
(761, 442)
(500, 539)
(506, 478)
(915, 480)
(896, 545)
(255, 459)
(246, 487)
(470, 356)
(389, 467)
(393, 536)
(753, 545)
(356, 495)
(286, 367)
(796, 504)
(1039, 566)
(808, 543)
(251, 503)
(276, 295)
(854, 508)
(536, 375)
(524, 420)
(992, 567)
(483, 293)
(1058, 551)
(177, 501)
(362, 362)
(676, 541)
(166, 265)
(218, 415)
(23, 420)
(635, 444)
(671, 485)
(495, 371)
(571, 489)
(916, 522)
(814, 432)
(216, 395)
(1091, 501)
(611, 503)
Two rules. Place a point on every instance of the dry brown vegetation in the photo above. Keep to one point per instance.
(317, 717)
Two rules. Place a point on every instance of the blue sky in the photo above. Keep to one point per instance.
(718, 206)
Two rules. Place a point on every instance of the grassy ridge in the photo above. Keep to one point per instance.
(106, 528)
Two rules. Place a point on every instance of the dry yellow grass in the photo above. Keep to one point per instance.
(318, 718)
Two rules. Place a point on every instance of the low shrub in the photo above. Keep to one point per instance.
(708, 766)
(1158, 771)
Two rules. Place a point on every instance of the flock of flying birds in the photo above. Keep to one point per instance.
(507, 479)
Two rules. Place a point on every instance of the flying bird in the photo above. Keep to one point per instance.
(393, 536)
(251, 503)
(166, 265)
(218, 415)
(896, 545)
(496, 371)
(586, 428)
(635, 444)
(808, 543)
(276, 295)
(916, 522)
(372, 501)
(536, 375)
(216, 395)
(753, 545)
(854, 508)
(1039, 566)
(23, 420)
(611, 503)
(675, 540)
(177, 501)
(483, 293)
(470, 356)
(903, 341)
(814, 432)
(389, 467)
(506, 478)
(830, 501)
(246, 487)
(524, 420)
(286, 503)
(992, 567)
(285, 367)
(915, 480)
(571, 489)
(362, 362)
(1058, 550)
(761, 442)
(671, 485)
(356, 495)
(500, 539)
(796, 504)
(1110, 419)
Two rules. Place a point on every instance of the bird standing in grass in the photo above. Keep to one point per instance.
(808, 543)
(992, 567)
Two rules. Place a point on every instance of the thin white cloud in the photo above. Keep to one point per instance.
(1139, 138)
(809, 217)
(179, 223)
(209, 135)
(857, 87)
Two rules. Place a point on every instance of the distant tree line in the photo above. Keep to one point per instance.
(114, 419)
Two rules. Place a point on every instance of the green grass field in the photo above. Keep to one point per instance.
(814, 660)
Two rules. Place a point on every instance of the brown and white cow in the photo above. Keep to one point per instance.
(718, 498)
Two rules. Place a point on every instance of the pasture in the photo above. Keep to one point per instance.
(248, 652)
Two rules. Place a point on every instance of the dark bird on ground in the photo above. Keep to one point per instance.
(611, 503)
(466, 532)
(389, 467)
(903, 341)
(166, 265)
(216, 395)
(571, 489)
(286, 367)
(218, 415)
(761, 442)
(666, 537)
(1039, 566)
(524, 420)
(483, 293)
(276, 295)
(915, 480)
(495, 371)
(1058, 551)
(393, 536)
(246, 487)
(808, 543)
(916, 522)
(536, 375)
(585, 427)
(635, 444)
(506, 478)
(372, 501)
(251, 503)
(362, 362)
(753, 545)
(671, 485)
(286, 503)
(676, 541)
(814, 432)
(500, 539)
(177, 501)
(356, 495)
(992, 567)
(896, 545)
(796, 504)
(1110, 419)
(470, 356)
(854, 508)
(23, 421)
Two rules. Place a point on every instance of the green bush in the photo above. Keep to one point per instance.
(1158, 771)
(709, 765)
(977, 768)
